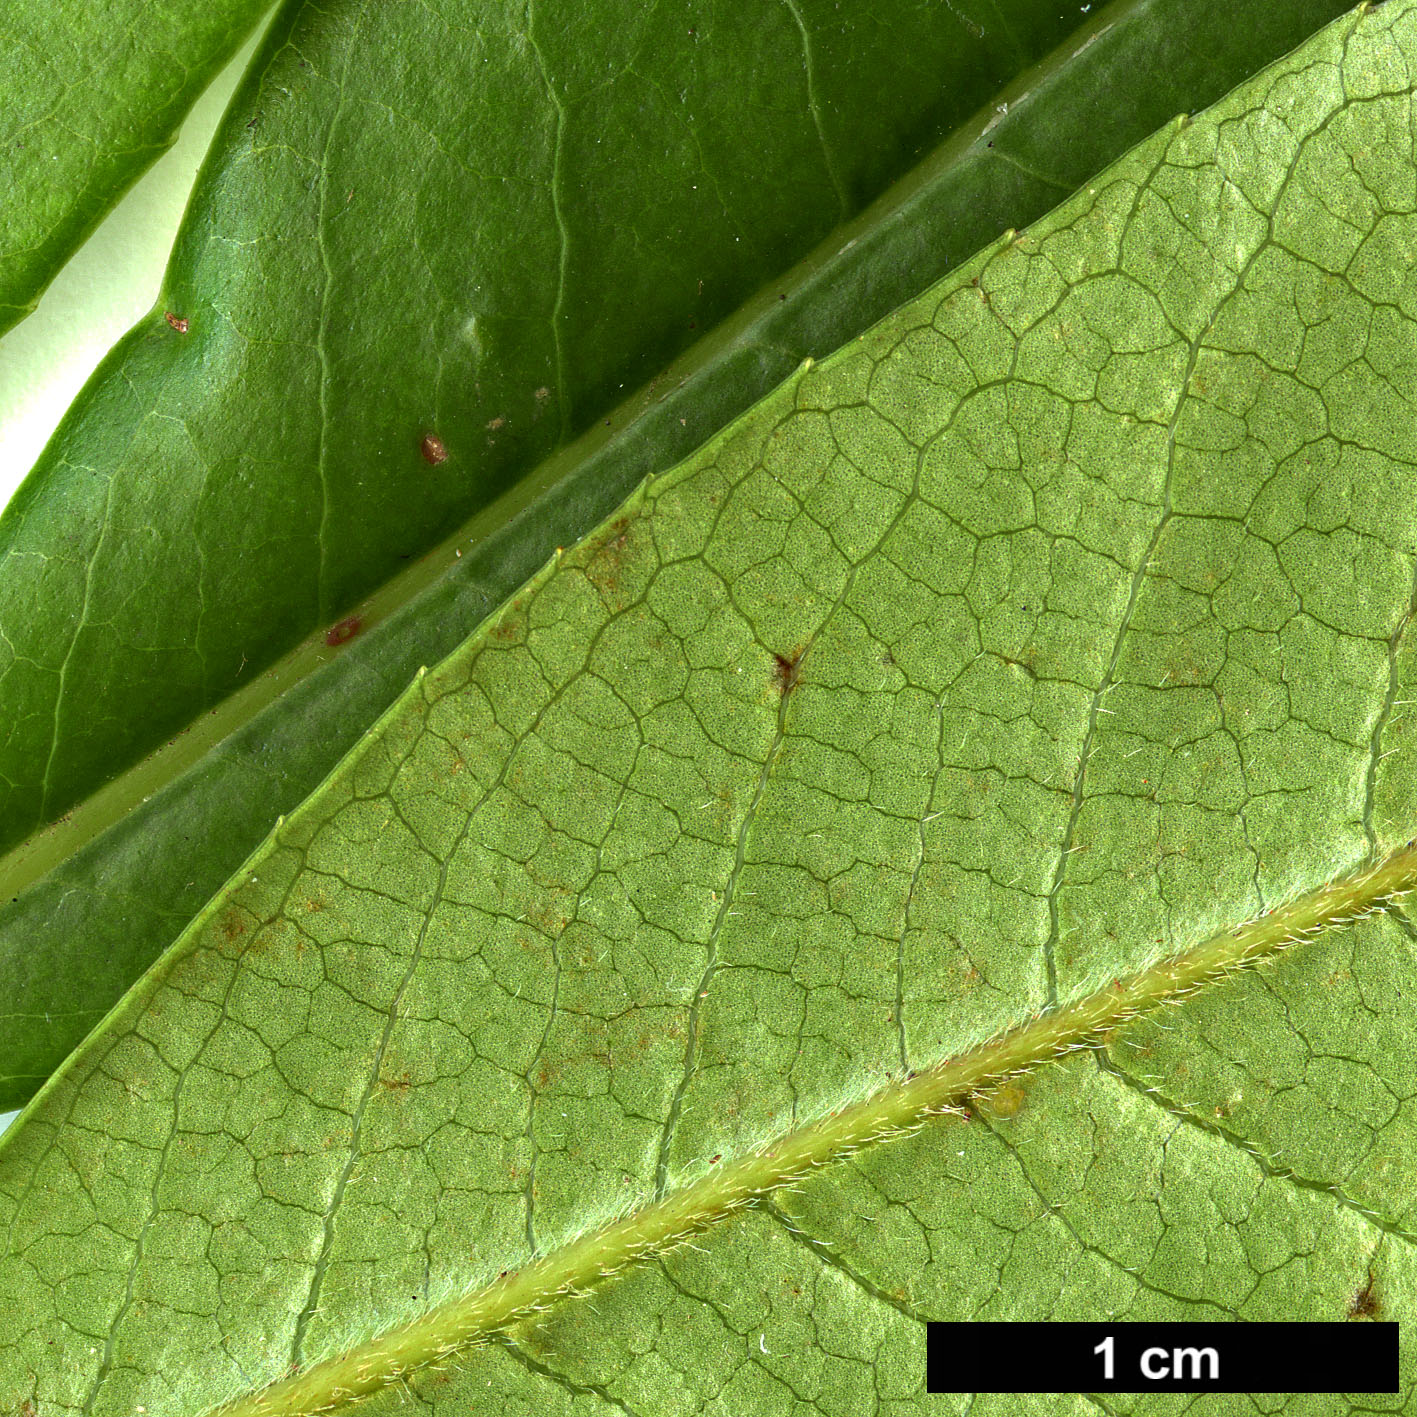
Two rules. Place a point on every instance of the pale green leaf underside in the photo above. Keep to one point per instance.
(1098, 560)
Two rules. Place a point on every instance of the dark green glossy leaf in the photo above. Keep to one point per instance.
(334, 321)
(90, 96)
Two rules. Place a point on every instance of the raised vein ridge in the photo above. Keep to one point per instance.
(900, 1107)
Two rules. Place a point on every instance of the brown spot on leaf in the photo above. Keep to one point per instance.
(1364, 1304)
(786, 670)
(548, 917)
(266, 938)
(178, 322)
(434, 449)
(343, 632)
(605, 560)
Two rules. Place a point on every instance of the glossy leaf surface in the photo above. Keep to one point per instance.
(90, 96)
(80, 925)
(987, 676)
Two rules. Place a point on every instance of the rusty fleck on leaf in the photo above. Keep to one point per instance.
(1364, 1304)
(433, 448)
(786, 670)
(343, 632)
(178, 322)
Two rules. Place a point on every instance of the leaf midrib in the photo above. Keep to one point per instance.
(656, 1224)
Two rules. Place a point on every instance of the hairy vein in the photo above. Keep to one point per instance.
(902, 1106)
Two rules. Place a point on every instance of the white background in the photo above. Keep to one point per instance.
(111, 282)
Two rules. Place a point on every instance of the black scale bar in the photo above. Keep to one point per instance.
(1352, 1357)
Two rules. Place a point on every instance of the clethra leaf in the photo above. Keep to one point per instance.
(632, 1024)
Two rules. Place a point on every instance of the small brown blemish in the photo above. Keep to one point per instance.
(433, 448)
(29, 1408)
(1364, 1304)
(178, 322)
(543, 393)
(604, 562)
(345, 631)
(786, 670)
(232, 925)
(497, 423)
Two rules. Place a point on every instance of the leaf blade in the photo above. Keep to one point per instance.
(341, 493)
(474, 964)
(109, 895)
